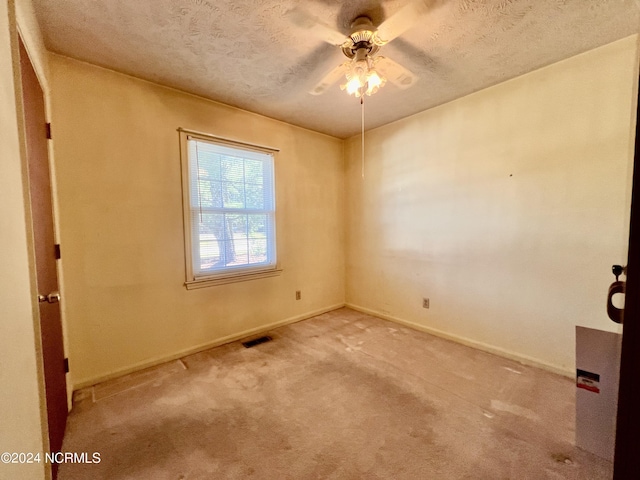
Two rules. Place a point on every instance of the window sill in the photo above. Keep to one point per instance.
(231, 278)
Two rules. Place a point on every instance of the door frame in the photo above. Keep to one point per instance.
(19, 41)
(25, 378)
(627, 449)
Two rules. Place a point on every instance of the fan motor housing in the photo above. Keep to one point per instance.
(361, 37)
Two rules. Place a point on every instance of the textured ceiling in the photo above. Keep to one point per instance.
(254, 55)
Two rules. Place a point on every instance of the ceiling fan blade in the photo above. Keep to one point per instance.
(395, 73)
(315, 26)
(330, 78)
(403, 20)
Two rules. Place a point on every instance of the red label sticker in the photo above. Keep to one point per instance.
(588, 380)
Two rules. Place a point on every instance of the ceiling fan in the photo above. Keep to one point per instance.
(366, 71)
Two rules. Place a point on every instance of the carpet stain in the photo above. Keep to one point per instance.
(514, 409)
(513, 370)
(562, 458)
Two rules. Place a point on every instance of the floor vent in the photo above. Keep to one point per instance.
(257, 341)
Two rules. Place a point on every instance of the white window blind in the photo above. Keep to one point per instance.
(231, 207)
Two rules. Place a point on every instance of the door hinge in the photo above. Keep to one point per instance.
(48, 131)
(56, 249)
(66, 365)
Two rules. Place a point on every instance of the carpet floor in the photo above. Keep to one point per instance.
(343, 395)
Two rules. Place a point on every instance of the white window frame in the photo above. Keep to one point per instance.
(236, 274)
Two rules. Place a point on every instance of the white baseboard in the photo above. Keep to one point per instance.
(87, 382)
(524, 359)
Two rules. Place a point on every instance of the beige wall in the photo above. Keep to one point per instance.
(119, 187)
(21, 412)
(506, 208)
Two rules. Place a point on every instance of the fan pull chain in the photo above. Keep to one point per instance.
(362, 133)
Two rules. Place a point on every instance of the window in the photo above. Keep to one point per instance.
(229, 210)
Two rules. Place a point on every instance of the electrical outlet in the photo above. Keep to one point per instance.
(298, 295)
(425, 303)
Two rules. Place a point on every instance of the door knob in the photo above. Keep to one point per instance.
(616, 314)
(53, 297)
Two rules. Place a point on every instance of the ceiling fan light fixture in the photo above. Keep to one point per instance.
(366, 72)
(353, 87)
(374, 82)
(362, 78)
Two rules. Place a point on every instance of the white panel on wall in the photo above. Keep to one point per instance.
(597, 376)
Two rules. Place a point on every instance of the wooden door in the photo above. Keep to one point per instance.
(627, 454)
(46, 252)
